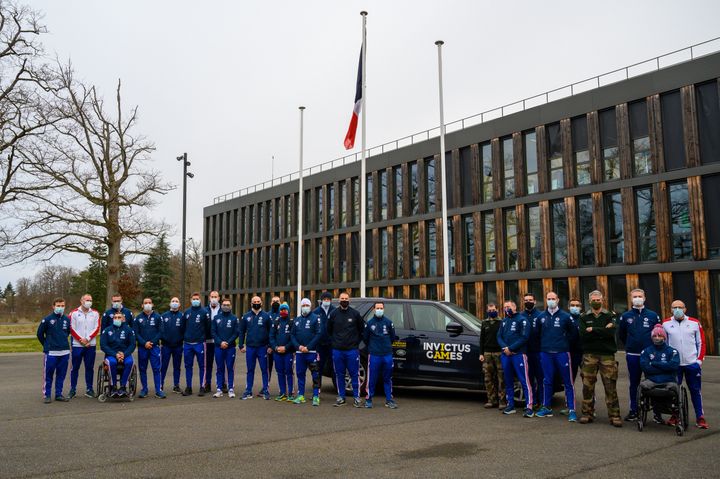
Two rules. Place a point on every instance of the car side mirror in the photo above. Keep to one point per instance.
(454, 327)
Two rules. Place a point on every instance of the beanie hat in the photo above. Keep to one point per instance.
(658, 330)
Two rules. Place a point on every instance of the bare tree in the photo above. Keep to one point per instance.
(102, 190)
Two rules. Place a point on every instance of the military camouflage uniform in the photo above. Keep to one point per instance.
(492, 366)
(599, 349)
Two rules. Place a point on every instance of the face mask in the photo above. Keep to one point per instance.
(379, 313)
(117, 306)
(574, 309)
(638, 302)
(147, 307)
(284, 313)
(658, 340)
(226, 309)
(214, 302)
(552, 303)
(276, 307)
(59, 310)
(174, 305)
(87, 304)
(117, 322)
(509, 312)
(195, 303)
(326, 304)
(344, 304)
(305, 310)
(678, 313)
(596, 304)
(256, 306)
(492, 314)
(529, 305)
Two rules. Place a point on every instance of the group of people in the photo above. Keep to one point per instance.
(213, 334)
(533, 345)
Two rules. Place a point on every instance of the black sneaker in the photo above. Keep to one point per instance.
(631, 417)
(357, 402)
(62, 398)
(187, 392)
(657, 419)
(201, 392)
(339, 402)
(122, 392)
(177, 390)
(47, 400)
(115, 393)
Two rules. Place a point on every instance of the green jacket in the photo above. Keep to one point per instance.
(488, 335)
(601, 340)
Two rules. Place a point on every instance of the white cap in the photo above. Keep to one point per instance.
(305, 302)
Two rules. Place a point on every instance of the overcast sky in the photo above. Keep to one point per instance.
(223, 80)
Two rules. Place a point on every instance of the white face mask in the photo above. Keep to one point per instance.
(117, 322)
(117, 305)
(87, 304)
(552, 303)
(305, 310)
(147, 307)
(326, 304)
(174, 305)
(638, 302)
(678, 313)
(214, 302)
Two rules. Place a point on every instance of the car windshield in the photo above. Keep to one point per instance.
(469, 318)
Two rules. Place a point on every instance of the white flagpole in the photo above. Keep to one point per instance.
(300, 217)
(363, 174)
(445, 229)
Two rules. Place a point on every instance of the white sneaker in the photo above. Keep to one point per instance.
(218, 394)
(231, 394)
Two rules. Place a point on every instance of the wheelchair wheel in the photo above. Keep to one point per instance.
(102, 397)
(642, 410)
(100, 384)
(132, 383)
(683, 419)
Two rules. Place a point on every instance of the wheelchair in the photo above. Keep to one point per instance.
(104, 385)
(664, 400)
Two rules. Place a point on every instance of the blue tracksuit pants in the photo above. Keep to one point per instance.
(54, 366)
(346, 361)
(634, 375)
(561, 362)
(693, 376)
(111, 361)
(167, 352)
(516, 365)
(380, 366)
(193, 351)
(258, 355)
(209, 358)
(535, 375)
(284, 367)
(225, 361)
(153, 356)
(86, 356)
(303, 362)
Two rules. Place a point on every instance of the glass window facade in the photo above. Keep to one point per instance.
(639, 138)
(534, 237)
(581, 154)
(486, 179)
(414, 188)
(586, 238)
(431, 190)
(511, 240)
(466, 177)
(508, 167)
(672, 129)
(647, 231)
(614, 227)
(554, 155)
(559, 238)
(489, 242)
(431, 231)
(680, 231)
(398, 176)
(531, 163)
(468, 224)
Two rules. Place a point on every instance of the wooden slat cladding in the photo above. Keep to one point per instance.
(522, 238)
(479, 239)
(657, 150)
(546, 231)
(572, 239)
(519, 164)
(439, 253)
(543, 174)
(392, 213)
(623, 131)
(439, 175)
(406, 185)
(497, 170)
(422, 234)
(599, 229)
(567, 153)
(660, 199)
(690, 128)
(632, 281)
(547, 287)
(697, 218)
(574, 289)
(480, 297)
(594, 147)
(601, 284)
(703, 302)
(630, 232)
(666, 293)
(500, 290)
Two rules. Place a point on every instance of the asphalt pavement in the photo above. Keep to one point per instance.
(434, 433)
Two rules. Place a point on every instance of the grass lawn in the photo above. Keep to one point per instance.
(18, 329)
(20, 345)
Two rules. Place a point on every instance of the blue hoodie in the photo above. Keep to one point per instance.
(53, 333)
(514, 333)
(660, 363)
(115, 339)
(379, 335)
(172, 329)
(306, 331)
(225, 327)
(196, 323)
(255, 329)
(147, 328)
(556, 331)
(634, 329)
(532, 317)
(281, 334)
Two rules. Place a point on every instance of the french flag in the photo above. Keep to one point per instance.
(352, 129)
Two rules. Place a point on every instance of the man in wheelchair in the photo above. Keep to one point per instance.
(118, 343)
(660, 364)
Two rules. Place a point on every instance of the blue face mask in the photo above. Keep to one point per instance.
(58, 310)
(195, 303)
(117, 322)
(574, 309)
(379, 313)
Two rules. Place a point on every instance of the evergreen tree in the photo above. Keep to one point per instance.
(156, 274)
(93, 281)
(9, 296)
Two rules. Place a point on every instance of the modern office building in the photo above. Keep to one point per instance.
(612, 188)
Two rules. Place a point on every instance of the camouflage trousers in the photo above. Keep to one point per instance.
(494, 382)
(608, 369)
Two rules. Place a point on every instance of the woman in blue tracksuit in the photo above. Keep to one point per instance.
(512, 337)
(225, 330)
(281, 344)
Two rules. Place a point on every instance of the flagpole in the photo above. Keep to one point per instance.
(300, 216)
(363, 174)
(445, 229)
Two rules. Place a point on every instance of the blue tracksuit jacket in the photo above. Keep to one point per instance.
(306, 331)
(281, 334)
(172, 329)
(107, 318)
(320, 313)
(660, 364)
(379, 335)
(53, 333)
(115, 339)
(556, 331)
(532, 317)
(634, 329)
(514, 333)
(225, 327)
(147, 328)
(196, 323)
(255, 329)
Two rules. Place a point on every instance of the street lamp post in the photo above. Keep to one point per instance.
(186, 175)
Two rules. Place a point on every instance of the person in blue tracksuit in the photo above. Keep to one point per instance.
(660, 363)
(379, 335)
(535, 372)
(53, 333)
(325, 347)
(557, 331)
(213, 309)
(274, 313)
(225, 331)
(512, 337)
(117, 305)
(634, 330)
(281, 344)
(304, 337)
(147, 327)
(118, 343)
(196, 325)
(254, 342)
(172, 331)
